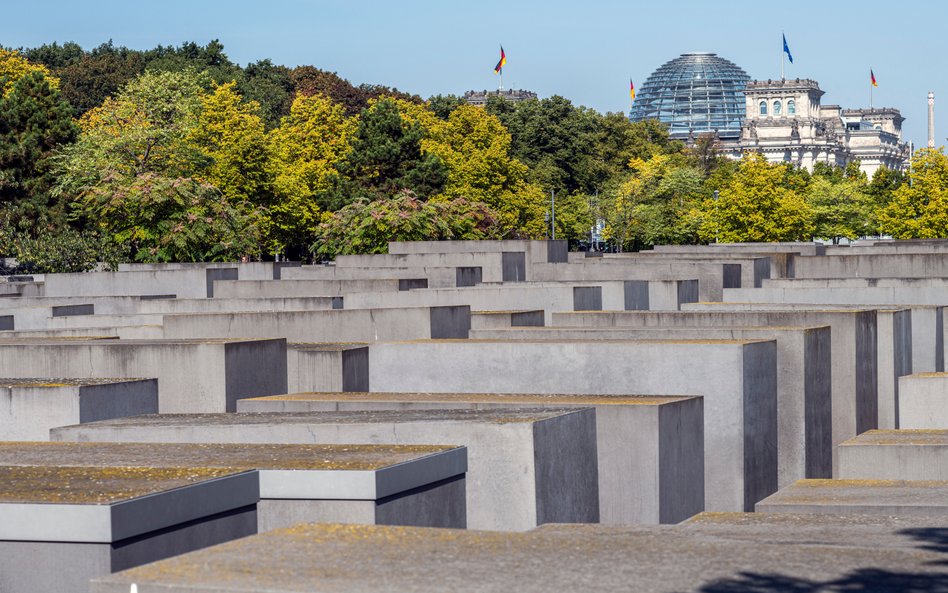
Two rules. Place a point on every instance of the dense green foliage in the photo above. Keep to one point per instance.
(179, 154)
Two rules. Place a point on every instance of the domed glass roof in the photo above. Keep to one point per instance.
(695, 92)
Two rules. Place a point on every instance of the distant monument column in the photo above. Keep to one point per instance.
(931, 119)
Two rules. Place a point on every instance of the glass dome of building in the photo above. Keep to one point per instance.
(694, 93)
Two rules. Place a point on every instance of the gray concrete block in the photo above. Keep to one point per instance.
(751, 552)
(804, 386)
(356, 325)
(60, 527)
(738, 380)
(375, 484)
(854, 349)
(327, 367)
(193, 375)
(587, 298)
(506, 319)
(519, 474)
(468, 276)
(29, 408)
(650, 449)
(224, 289)
(860, 497)
(923, 401)
(895, 455)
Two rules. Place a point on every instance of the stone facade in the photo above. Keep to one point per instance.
(786, 122)
(479, 98)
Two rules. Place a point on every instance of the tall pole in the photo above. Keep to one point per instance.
(501, 79)
(870, 95)
(931, 119)
(553, 210)
(782, 37)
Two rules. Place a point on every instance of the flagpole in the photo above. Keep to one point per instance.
(783, 37)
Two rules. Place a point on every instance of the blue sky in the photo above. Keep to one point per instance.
(585, 51)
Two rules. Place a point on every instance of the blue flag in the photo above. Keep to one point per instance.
(786, 48)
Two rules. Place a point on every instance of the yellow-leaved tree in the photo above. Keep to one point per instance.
(475, 147)
(305, 151)
(13, 67)
(919, 209)
(756, 205)
(231, 135)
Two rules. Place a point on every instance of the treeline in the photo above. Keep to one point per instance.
(178, 154)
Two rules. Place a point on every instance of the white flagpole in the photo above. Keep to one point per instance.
(783, 38)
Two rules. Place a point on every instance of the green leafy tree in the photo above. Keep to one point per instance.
(34, 122)
(230, 134)
(367, 227)
(919, 208)
(386, 156)
(306, 151)
(270, 87)
(653, 205)
(757, 205)
(839, 209)
(475, 148)
(443, 105)
(132, 174)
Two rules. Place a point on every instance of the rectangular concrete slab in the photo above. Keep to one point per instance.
(30, 407)
(667, 559)
(327, 367)
(738, 380)
(421, 485)
(650, 449)
(61, 526)
(919, 498)
(854, 350)
(356, 325)
(923, 401)
(525, 467)
(895, 455)
(193, 375)
(804, 391)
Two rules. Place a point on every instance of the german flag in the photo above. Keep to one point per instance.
(503, 61)
(631, 90)
(872, 78)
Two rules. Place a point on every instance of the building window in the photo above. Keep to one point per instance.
(776, 107)
(791, 107)
(763, 107)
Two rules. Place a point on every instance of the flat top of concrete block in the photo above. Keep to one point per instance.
(930, 375)
(861, 492)
(95, 485)
(494, 416)
(513, 398)
(114, 341)
(326, 346)
(186, 455)
(911, 437)
(590, 340)
(579, 558)
(60, 382)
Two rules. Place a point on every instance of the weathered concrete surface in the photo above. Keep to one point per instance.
(374, 484)
(502, 319)
(895, 455)
(59, 526)
(356, 325)
(30, 407)
(873, 265)
(777, 554)
(804, 392)
(269, 289)
(327, 367)
(506, 266)
(854, 349)
(902, 498)
(193, 375)
(738, 380)
(195, 282)
(923, 401)
(525, 467)
(650, 449)
(547, 296)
